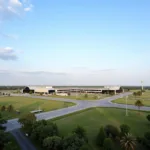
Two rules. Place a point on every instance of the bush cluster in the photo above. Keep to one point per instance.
(47, 135)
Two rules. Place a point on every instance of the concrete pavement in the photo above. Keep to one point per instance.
(80, 105)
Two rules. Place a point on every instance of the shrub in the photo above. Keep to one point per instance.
(52, 143)
(124, 129)
(86, 95)
(147, 135)
(101, 137)
(139, 93)
(3, 139)
(85, 147)
(30, 92)
(81, 132)
(3, 108)
(69, 94)
(108, 144)
(95, 97)
(148, 117)
(72, 142)
(111, 131)
(10, 108)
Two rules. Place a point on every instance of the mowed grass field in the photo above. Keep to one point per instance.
(92, 119)
(145, 98)
(26, 104)
(82, 96)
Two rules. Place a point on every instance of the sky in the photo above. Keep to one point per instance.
(74, 42)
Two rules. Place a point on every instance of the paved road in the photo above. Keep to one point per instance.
(80, 105)
(22, 140)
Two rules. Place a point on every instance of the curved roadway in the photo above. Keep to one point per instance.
(80, 105)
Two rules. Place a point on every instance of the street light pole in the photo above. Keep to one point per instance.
(126, 106)
(76, 92)
(142, 85)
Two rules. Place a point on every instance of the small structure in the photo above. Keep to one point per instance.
(36, 111)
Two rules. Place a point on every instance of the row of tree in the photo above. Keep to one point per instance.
(9, 108)
(5, 139)
(47, 135)
(108, 134)
(6, 94)
(138, 93)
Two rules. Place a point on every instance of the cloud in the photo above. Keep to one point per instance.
(7, 53)
(8, 36)
(29, 8)
(42, 73)
(10, 9)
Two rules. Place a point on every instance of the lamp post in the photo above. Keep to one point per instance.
(76, 92)
(142, 85)
(126, 106)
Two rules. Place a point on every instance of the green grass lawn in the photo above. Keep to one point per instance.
(25, 105)
(82, 96)
(93, 118)
(145, 98)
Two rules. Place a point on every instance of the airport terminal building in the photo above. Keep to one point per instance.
(51, 90)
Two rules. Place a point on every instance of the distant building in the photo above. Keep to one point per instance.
(39, 89)
(50, 90)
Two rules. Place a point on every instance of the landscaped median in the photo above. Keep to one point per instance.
(131, 99)
(83, 96)
(15, 107)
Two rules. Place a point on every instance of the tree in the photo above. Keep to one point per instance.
(148, 117)
(101, 137)
(124, 129)
(53, 143)
(31, 92)
(134, 94)
(85, 147)
(111, 131)
(27, 121)
(3, 139)
(3, 108)
(81, 132)
(86, 95)
(10, 108)
(69, 94)
(147, 139)
(128, 142)
(42, 130)
(2, 121)
(139, 104)
(139, 93)
(95, 97)
(10, 146)
(72, 142)
(108, 144)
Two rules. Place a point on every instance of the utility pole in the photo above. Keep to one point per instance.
(126, 106)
